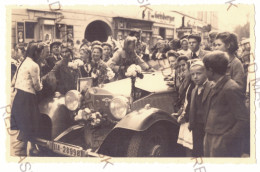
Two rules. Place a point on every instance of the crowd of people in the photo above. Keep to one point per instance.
(211, 82)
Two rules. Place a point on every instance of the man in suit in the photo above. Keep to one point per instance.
(226, 113)
(55, 54)
(194, 45)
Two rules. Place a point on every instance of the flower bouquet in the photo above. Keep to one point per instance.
(92, 118)
(134, 71)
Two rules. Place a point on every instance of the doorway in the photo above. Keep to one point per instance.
(162, 32)
(97, 30)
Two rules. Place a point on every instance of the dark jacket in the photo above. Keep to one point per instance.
(236, 72)
(202, 53)
(61, 78)
(192, 113)
(226, 112)
(51, 60)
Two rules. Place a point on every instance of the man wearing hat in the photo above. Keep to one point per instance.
(194, 45)
(61, 78)
(55, 54)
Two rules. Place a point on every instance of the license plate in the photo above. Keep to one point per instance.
(68, 150)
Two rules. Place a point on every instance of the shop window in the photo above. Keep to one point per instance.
(29, 30)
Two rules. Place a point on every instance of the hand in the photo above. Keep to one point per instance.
(122, 68)
(181, 119)
(170, 83)
(175, 115)
(151, 70)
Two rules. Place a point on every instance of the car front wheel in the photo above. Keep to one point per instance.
(153, 142)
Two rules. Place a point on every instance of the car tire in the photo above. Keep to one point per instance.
(153, 142)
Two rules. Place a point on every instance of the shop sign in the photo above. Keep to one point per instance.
(184, 30)
(162, 17)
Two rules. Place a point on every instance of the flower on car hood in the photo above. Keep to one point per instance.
(133, 71)
(75, 64)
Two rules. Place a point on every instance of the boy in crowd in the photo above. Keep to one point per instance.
(194, 45)
(226, 114)
(197, 116)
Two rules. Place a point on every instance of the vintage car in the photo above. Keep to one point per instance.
(125, 118)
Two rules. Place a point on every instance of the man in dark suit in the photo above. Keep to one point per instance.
(194, 45)
(55, 54)
(61, 78)
(226, 112)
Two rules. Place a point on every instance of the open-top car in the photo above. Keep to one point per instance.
(124, 118)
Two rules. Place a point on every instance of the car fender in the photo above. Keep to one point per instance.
(142, 119)
(59, 115)
(116, 142)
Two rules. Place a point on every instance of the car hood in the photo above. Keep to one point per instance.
(151, 82)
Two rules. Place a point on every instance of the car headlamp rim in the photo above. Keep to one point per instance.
(119, 107)
(73, 100)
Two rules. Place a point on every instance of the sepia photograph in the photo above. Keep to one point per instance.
(134, 81)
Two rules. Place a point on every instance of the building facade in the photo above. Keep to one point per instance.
(99, 24)
(197, 22)
(40, 24)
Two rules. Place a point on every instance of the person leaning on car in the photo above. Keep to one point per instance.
(61, 78)
(123, 58)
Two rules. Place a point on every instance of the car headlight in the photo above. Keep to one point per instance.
(73, 100)
(119, 107)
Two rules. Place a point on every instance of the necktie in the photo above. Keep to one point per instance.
(194, 56)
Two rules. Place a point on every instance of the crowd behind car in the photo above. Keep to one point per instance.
(211, 81)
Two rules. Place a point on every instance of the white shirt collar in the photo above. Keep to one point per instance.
(197, 52)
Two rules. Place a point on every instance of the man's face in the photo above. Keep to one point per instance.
(172, 62)
(56, 50)
(193, 45)
(65, 53)
(219, 45)
(198, 74)
(106, 51)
